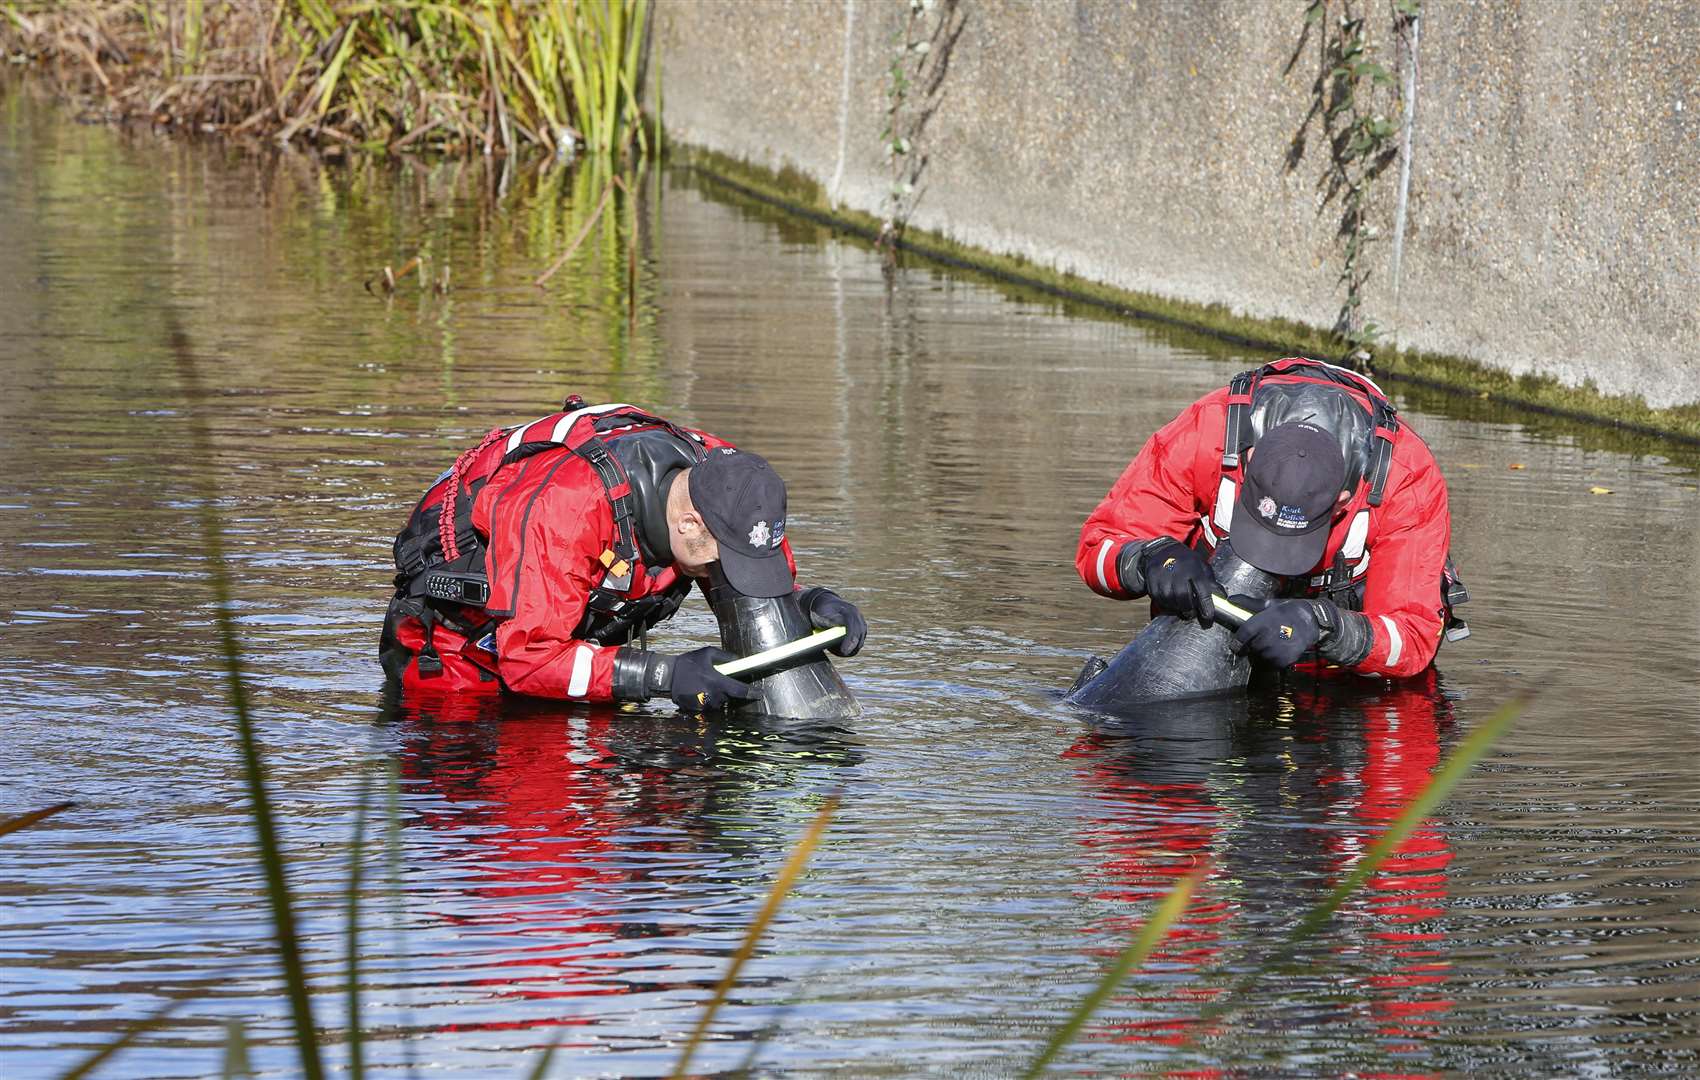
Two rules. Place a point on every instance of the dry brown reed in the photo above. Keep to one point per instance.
(458, 76)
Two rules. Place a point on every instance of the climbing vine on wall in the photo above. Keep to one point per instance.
(1353, 99)
(914, 89)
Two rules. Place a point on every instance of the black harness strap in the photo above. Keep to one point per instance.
(619, 492)
(1237, 436)
(430, 664)
(1381, 455)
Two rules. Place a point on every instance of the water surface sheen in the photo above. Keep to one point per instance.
(584, 875)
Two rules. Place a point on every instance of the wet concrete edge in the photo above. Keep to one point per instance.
(1452, 375)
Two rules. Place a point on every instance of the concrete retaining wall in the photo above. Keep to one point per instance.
(1552, 222)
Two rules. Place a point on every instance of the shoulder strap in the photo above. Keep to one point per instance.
(1238, 434)
(619, 559)
(581, 432)
(1381, 459)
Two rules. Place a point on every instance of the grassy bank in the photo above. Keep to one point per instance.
(456, 76)
(1470, 381)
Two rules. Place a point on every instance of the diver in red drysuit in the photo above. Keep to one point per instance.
(1309, 469)
(535, 562)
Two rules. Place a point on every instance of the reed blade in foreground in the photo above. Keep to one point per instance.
(792, 870)
(24, 821)
(1458, 763)
(129, 1035)
(254, 771)
(1136, 953)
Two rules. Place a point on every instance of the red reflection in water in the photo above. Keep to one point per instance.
(1342, 755)
(577, 833)
(1152, 834)
(1401, 730)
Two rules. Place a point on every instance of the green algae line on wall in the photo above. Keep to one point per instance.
(796, 193)
(1539, 225)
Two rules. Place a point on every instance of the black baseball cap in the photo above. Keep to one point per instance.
(1286, 506)
(742, 500)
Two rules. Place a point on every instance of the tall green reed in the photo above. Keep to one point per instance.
(1138, 950)
(235, 1062)
(24, 821)
(1457, 765)
(253, 765)
(125, 1038)
(351, 906)
(491, 76)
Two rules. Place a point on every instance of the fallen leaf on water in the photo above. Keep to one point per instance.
(1518, 465)
(1469, 465)
(1598, 490)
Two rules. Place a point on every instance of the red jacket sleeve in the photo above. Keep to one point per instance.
(544, 543)
(1402, 584)
(1161, 493)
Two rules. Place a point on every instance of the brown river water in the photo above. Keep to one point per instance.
(585, 875)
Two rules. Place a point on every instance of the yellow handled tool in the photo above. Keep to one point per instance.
(816, 641)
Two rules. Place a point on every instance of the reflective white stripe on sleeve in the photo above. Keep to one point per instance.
(1356, 535)
(1224, 514)
(584, 657)
(518, 436)
(1103, 553)
(566, 422)
(1398, 642)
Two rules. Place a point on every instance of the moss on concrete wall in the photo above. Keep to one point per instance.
(1153, 159)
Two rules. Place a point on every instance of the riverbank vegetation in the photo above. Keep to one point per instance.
(455, 76)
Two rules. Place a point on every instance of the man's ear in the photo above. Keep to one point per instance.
(1343, 498)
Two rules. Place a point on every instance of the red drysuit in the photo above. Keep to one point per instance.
(1179, 487)
(546, 529)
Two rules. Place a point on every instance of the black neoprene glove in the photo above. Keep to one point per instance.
(689, 678)
(1282, 631)
(1177, 578)
(826, 608)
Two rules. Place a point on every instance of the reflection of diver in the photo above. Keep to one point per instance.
(1216, 778)
(1401, 730)
(578, 834)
